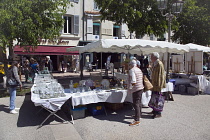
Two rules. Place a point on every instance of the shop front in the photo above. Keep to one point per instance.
(62, 61)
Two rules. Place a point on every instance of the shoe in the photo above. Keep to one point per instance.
(134, 123)
(156, 116)
(17, 108)
(152, 112)
(13, 112)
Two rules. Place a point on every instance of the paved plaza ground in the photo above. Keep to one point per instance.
(186, 118)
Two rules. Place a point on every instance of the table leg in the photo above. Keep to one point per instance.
(171, 96)
(51, 113)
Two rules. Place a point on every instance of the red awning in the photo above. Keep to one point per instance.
(46, 50)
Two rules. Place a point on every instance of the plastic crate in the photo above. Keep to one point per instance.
(96, 109)
(192, 90)
(182, 88)
(78, 112)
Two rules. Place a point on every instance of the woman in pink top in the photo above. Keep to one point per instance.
(135, 86)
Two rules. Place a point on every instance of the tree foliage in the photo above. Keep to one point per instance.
(141, 16)
(144, 17)
(194, 23)
(29, 20)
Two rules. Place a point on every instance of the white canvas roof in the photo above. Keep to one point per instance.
(195, 47)
(133, 46)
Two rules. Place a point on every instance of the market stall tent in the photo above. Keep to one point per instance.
(194, 58)
(195, 47)
(133, 46)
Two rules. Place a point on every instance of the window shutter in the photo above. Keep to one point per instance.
(71, 0)
(76, 24)
(90, 25)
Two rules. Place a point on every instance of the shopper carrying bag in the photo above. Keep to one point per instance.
(13, 81)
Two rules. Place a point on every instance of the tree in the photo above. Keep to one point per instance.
(141, 16)
(27, 21)
(194, 23)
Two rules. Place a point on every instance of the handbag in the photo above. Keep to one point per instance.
(147, 84)
(13, 82)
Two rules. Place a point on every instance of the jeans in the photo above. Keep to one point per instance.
(137, 104)
(12, 91)
(26, 75)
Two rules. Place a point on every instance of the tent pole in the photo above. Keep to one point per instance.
(81, 66)
(101, 61)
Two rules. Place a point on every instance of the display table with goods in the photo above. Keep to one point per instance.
(191, 84)
(83, 94)
(49, 94)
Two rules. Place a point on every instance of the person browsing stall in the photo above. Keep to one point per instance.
(158, 80)
(135, 87)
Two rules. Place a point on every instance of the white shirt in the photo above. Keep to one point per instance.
(133, 76)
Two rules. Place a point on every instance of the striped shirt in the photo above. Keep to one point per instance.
(135, 76)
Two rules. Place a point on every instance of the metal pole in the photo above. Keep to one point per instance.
(169, 38)
(101, 61)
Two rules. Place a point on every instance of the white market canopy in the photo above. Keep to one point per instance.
(133, 46)
(195, 47)
(77, 48)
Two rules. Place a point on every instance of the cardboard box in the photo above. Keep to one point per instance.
(114, 106)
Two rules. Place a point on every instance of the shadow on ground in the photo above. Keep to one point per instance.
(4, 108)
(31, 115)
(121, 114)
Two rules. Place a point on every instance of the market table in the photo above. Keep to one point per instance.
(52, 105)
(46, 85)
(110, 96)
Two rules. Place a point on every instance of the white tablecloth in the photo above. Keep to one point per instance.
(111, 96)
(53, 104)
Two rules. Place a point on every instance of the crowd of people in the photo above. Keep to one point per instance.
(32, 67)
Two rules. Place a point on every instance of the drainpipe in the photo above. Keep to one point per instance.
(83, 21)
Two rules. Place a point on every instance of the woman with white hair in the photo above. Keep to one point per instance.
(135, 87)
(49, 64)
(158, 80)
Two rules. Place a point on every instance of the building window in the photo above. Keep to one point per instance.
(74, 1)
(116, 31)
(96, 28)
(95, 7)
(151, 37)
(67, 24)
(71, 24)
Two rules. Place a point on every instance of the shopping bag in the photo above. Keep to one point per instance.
(30, 79)
(13, 82)
(157, 101)
(147, 83)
